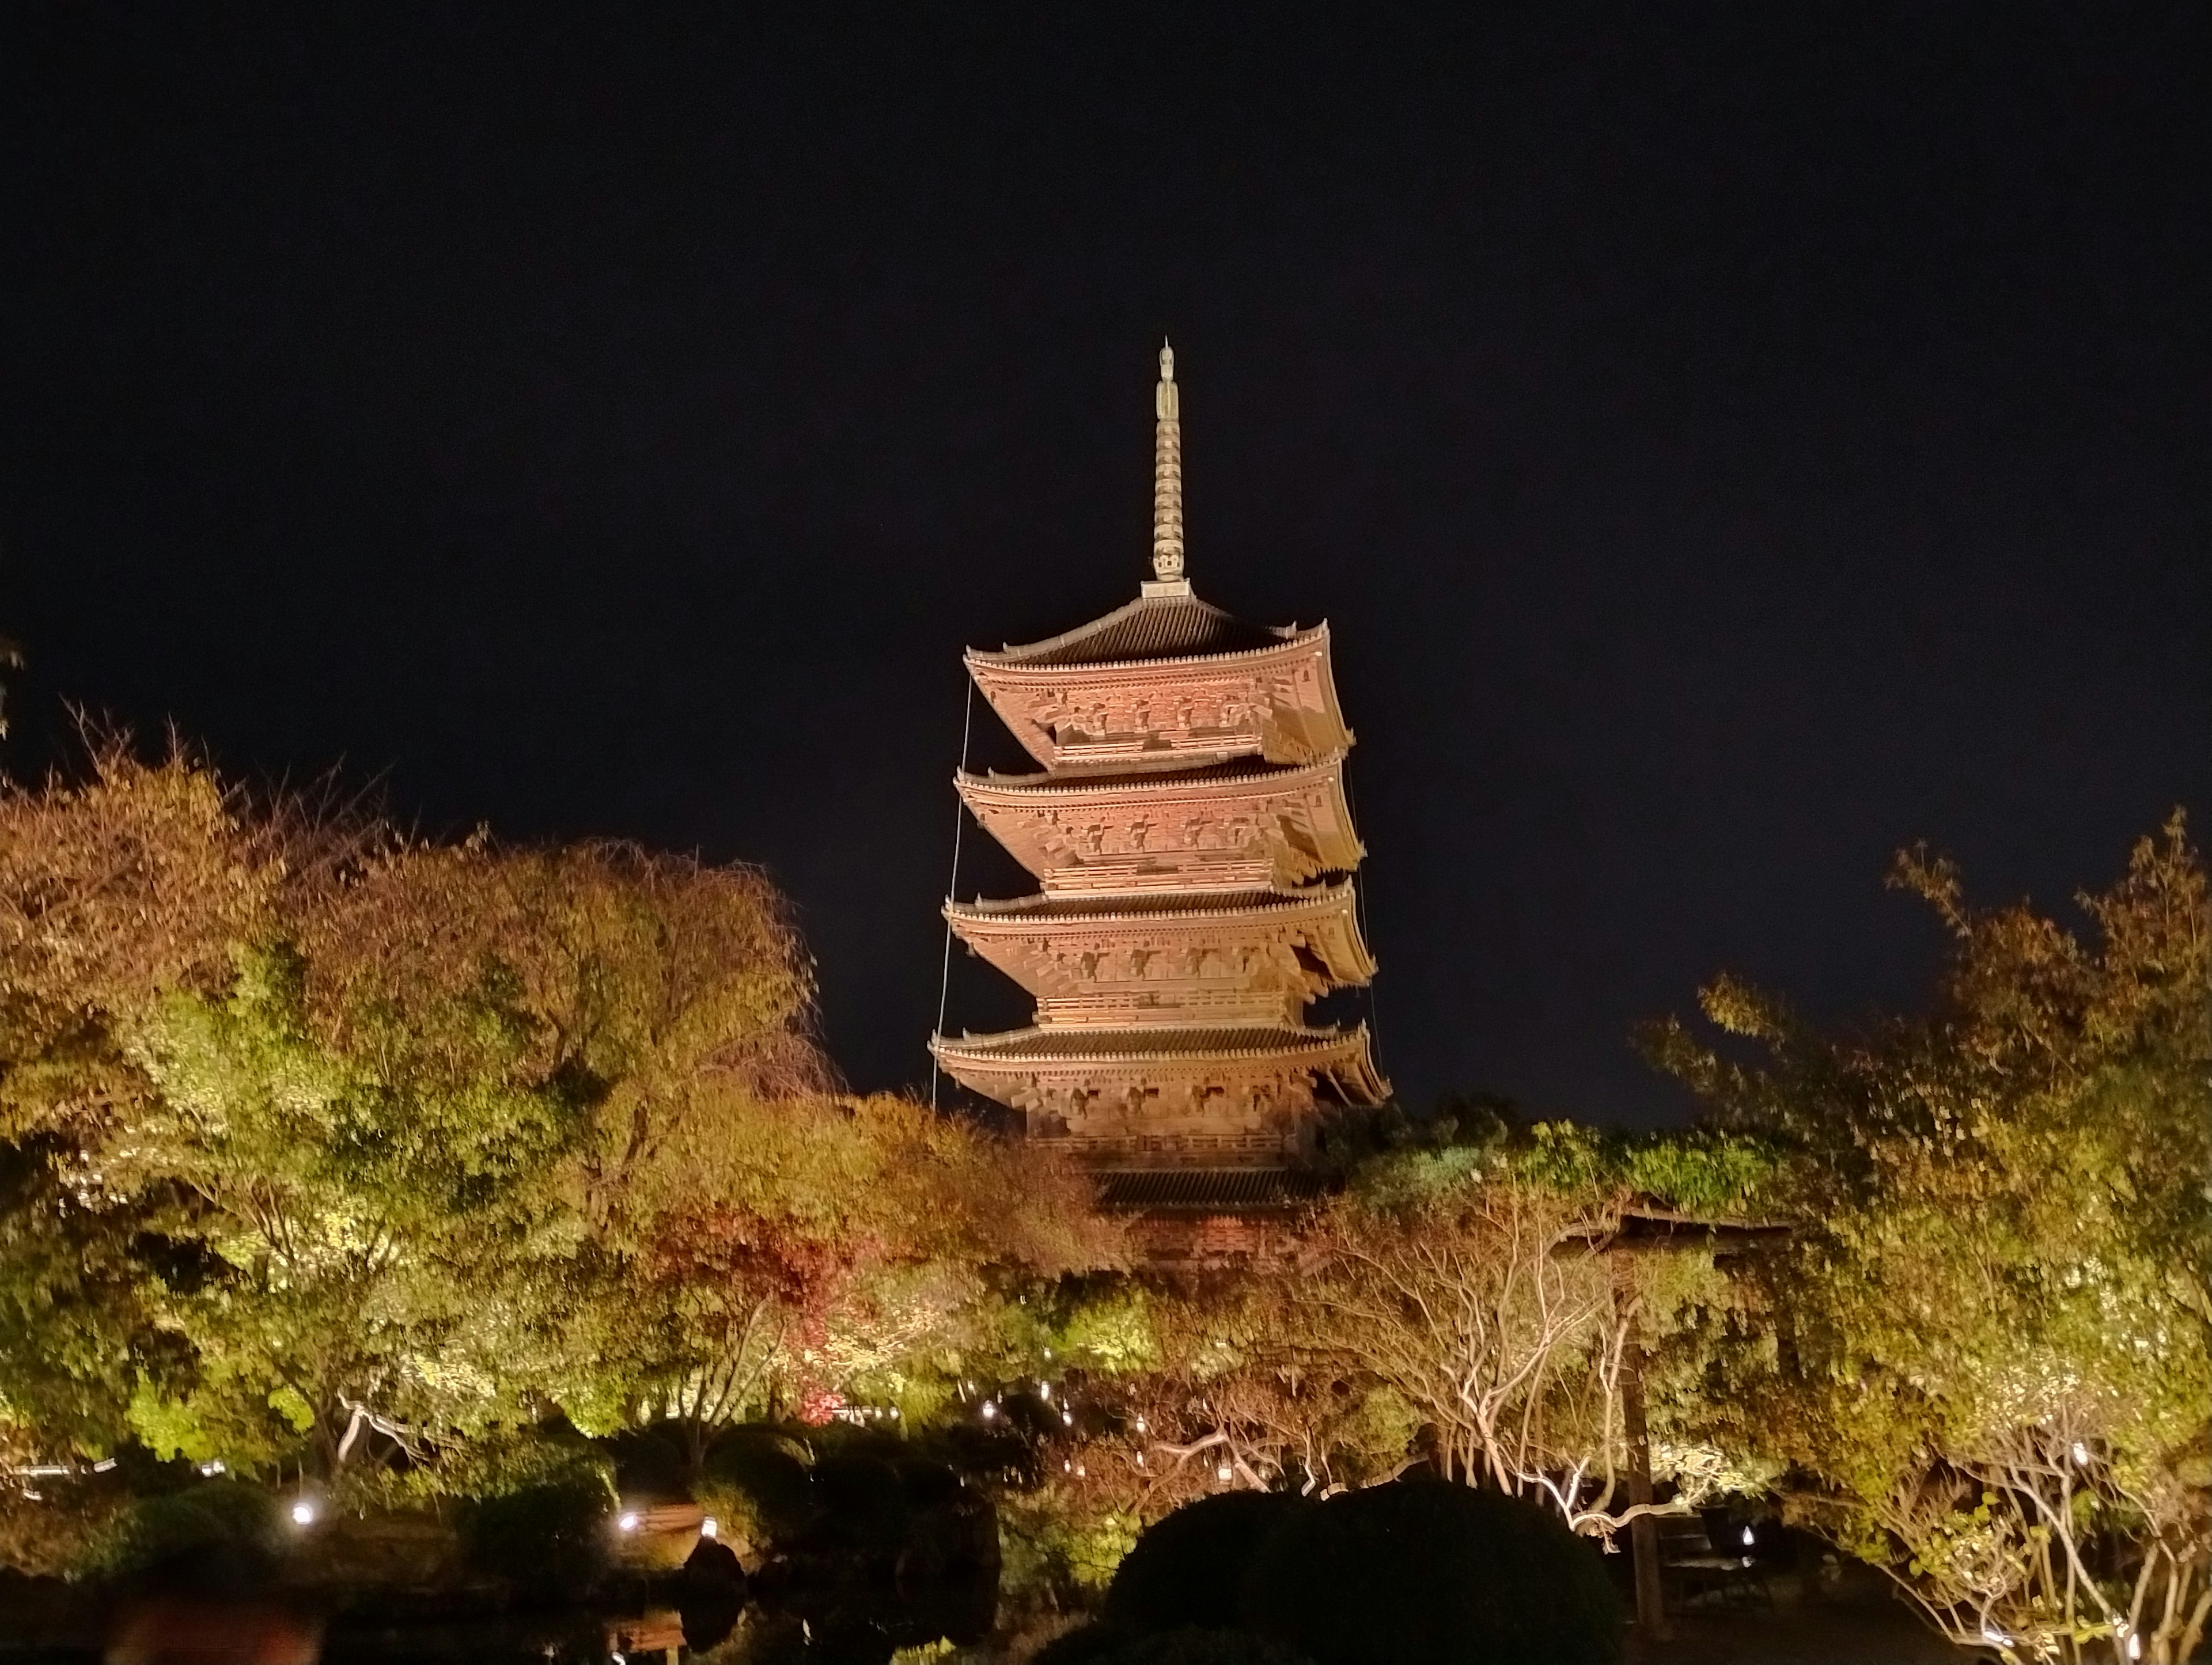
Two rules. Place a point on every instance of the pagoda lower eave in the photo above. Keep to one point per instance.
(1170, 1094)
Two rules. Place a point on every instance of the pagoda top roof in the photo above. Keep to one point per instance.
(1167, 623)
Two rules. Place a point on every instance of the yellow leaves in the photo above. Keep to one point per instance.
(287, 1404)
(1112, 1335)
(1741, 1009)
(167, 1427)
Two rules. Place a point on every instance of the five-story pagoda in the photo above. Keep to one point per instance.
(1191, 839)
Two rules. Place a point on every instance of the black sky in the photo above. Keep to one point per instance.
(1727, 442)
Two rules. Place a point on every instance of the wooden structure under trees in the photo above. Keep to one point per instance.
(1647, 1227)
(1194, 848)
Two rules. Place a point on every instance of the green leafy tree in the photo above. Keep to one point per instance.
(1987, 1357)
(1456, 1307)
(791, 1254)
(338, 1127)
(115, 889)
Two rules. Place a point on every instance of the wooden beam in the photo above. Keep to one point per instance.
(1643, 1530)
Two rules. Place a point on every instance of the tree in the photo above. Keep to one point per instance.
(1988, 1354)
(1456, 1307)
(340, 1122)
(115, 887)
(1476, 1288)
(799, 1252)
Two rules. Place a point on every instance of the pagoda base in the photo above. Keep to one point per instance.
(1201, 1220)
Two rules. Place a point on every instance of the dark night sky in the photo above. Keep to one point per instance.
(1726, 447)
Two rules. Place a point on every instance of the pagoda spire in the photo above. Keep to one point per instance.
(1167, 483)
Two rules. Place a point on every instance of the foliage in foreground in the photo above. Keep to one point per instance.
(330, 1154)
(1414, 1573)
(397, 1169)
(1988, 1361)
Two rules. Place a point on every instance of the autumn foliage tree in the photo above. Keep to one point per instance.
(323, 1146)
(1456, 1308)
(1989, 1366)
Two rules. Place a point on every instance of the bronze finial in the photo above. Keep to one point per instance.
(1167, 482)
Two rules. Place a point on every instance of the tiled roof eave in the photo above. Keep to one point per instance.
(1211, 1190)
(1271, 778)
(1012, 659)
(1012, 918)
(1302, 1044)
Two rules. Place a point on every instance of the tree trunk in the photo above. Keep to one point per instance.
(1642, 1531)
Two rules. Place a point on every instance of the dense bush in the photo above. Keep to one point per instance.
(1099, 1645)
(216, 1529)
(1187, 1570)
(863, 1504)
(1425, 1573)
(549, 1538)
(758, 1485)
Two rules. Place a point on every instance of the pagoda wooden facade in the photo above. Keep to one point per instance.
(1193, 846)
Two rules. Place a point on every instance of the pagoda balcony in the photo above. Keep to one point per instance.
(1169, 1006)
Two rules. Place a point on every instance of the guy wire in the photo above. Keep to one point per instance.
(952, 886)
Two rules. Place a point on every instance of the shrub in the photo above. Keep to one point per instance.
(550, 1538)
(1102, 1644)
(761, 1484)
(1187, 1570)
(1426, 1573)
(58, 1527)
(864, 1506)
(221, 1529)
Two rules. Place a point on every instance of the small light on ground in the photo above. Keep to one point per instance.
(628, 1521)
(1224, 1472)
(303, 1513)
(707, 1528)
(1749, 1538)
(989, 1410)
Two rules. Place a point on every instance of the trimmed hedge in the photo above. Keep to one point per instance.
(1422, 1572)
(218, 1530)
(1186, 1571)
(1098, 1644)
(551, 1539)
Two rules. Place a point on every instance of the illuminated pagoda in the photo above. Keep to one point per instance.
(1190, 836)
